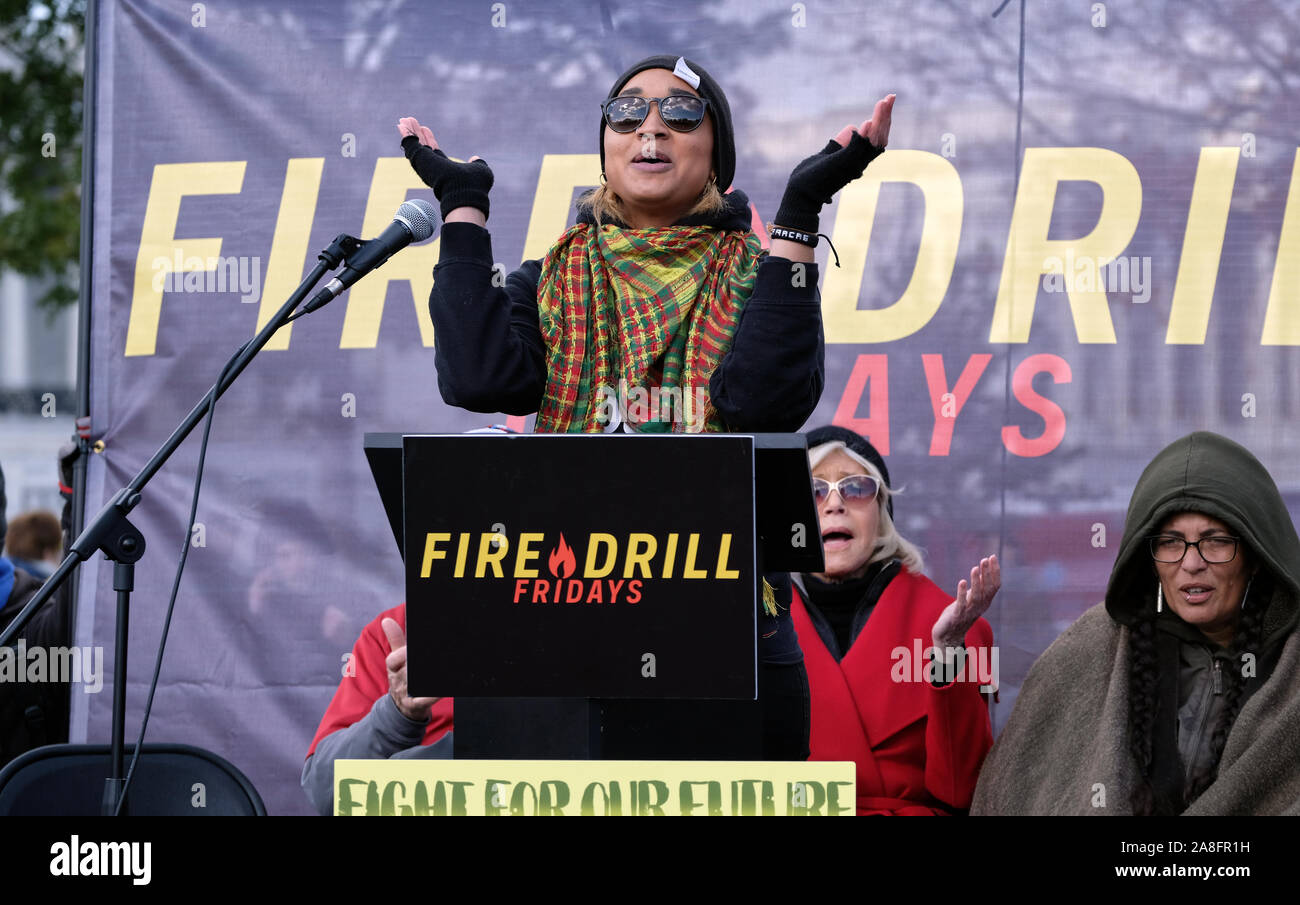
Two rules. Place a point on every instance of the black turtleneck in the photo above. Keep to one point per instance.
(846, 605)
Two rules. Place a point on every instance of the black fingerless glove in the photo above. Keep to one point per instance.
(816, 180)
(454, 184)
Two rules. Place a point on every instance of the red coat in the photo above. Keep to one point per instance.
(368, 682)
(918, 748)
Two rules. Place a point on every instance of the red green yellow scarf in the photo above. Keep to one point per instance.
(644, 315)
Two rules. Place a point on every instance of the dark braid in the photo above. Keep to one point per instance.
(1143, 678)
(1247, 641)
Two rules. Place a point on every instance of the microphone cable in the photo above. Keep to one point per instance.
(176, 580)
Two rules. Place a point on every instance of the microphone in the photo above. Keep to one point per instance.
(413, 222)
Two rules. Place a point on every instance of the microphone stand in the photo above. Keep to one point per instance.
(120, 541)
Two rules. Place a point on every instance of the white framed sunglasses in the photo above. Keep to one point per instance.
(856, 488)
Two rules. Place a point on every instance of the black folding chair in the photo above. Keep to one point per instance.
(170, 781)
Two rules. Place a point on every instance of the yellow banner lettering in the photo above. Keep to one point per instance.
(159, 247)
(940, 231)
(1198, 268)
(289, 242)
(559, 176)
(388, 188)
(1282, 317)
(1029, 249)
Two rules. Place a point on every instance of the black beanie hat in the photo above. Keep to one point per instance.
(724, 138)
(856, 442)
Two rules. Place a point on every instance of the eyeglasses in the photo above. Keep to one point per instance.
(856, 488)
(680, 112)
(1169, 548)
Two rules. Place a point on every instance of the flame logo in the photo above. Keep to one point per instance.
(562, 562)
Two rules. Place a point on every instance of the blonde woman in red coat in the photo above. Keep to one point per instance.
(895, 665)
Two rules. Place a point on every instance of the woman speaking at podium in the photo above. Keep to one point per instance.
(661, 289)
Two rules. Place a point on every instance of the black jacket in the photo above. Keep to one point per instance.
(491, 358)
(1193, 693)
(33, 714)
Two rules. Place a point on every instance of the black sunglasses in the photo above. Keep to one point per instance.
(680, 112)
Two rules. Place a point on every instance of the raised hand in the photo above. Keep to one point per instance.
(410, 126)
(416, 709)
(456, 185)
(876, 129)
(973, 600)
(816, 179)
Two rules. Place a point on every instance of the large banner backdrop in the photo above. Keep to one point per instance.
(1035, 294)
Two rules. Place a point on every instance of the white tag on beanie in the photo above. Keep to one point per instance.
(683, 72)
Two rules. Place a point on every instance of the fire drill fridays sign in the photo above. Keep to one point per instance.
(526, 788)
(580, 566)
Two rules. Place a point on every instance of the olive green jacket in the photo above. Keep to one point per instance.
(1065, 749)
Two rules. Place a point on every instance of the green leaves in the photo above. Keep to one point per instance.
(41, 60)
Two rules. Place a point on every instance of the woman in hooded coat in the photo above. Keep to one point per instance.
(1180, 693)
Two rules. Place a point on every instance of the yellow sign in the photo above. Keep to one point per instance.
(473, 788)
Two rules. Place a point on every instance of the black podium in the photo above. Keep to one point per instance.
(593, 596)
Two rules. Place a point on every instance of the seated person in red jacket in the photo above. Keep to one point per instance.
(371, 715)
(918, 731)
